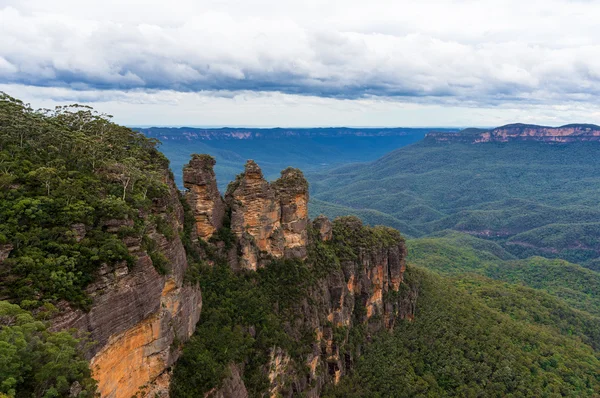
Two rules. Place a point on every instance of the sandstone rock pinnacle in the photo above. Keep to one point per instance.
(203, 195)
(269, 219)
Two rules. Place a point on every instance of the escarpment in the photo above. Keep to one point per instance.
(140, 312)
(327, 287)
(97, 240)
(522, 132)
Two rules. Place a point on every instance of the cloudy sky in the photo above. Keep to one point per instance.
(308, 62)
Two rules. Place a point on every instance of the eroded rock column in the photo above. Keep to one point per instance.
(203, 195)
(270, 220)
(292, 192)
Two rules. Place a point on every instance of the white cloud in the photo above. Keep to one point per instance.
(462, 54)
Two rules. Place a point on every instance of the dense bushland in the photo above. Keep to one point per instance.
(66, 176)
(467, 341)
(63, 174)
(531, 198)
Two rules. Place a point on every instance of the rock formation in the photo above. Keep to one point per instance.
(522, 132)
(363, 289)
(203, 196)
(137, 314)
(5, 251)
(269, 220)
(292, 193)
(323, 226)
(365, 292)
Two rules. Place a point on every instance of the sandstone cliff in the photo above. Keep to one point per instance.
(347, 304)
(269, 220)
(356, 291)
(138, 314)
(203, 196)
(142, 313)
(522, 132)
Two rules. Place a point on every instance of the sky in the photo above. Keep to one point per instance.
(307, 63)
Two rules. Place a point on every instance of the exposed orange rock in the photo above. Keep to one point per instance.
(278, 371)
(270, 220)
(523, 132)
(203, 195)
(138, 356)
(137, 313)
(128, 359)
(313, 362)
(292, 193)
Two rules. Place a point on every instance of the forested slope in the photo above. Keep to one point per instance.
(486, 325)
(533, 198)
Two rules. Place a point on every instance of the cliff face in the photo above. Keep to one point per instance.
(269, 220)
(347, 304)
(140, 316)
(523, 132)
(360, 298)
(190, 133)
(360, 291)
(137, 314)
(203, 196)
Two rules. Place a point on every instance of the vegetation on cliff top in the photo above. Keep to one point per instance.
(72, 186)
(532, 330)
(247, 314)
(64, 174)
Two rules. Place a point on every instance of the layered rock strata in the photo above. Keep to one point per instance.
(362, 288)
(522, 132)
(138, 314)
(140, 317)
(365, 292)
(269, 220)
(203, 195)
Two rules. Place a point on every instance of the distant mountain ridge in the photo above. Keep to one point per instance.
(236, 133)
(521, 132)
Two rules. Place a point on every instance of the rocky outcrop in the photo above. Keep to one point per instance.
(350, 302)
(233, 385)
(5, 251)
(292, 193)
(138, 314)
(269, 220)
(323, 226)
(522, 132)
(367, 293)
(203, 196)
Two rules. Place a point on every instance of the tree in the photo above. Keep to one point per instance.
(46, 175)
(35, 362)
